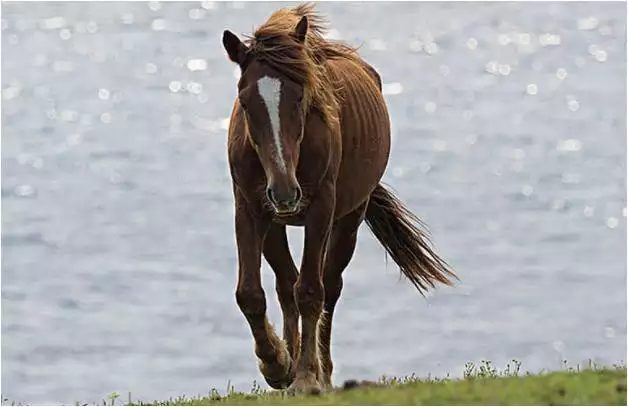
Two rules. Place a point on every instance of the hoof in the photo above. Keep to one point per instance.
(277, 376)
(352, 384)
(305, 386)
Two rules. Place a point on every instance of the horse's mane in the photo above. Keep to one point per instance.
(274, 44)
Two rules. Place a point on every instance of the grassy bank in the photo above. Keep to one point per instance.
(482, 385)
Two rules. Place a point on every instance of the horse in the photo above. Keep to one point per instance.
(308, 144)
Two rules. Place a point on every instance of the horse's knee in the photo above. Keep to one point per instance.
(285, 291)
(309, 298)
(252, 301)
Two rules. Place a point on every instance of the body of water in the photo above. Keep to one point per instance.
(118, 253)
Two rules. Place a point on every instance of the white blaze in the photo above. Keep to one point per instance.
(270, 91)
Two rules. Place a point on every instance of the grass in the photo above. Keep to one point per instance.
(482, 384)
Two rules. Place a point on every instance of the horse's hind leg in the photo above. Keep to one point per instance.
(269, 348)
(341, 248)
(277, 254)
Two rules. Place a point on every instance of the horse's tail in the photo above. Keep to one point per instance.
(397, 229)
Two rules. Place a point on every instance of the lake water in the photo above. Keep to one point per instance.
(118, 255)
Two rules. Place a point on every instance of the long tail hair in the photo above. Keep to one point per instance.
(398, 230)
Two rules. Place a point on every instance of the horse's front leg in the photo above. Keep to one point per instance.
(309, 291)
(277, 254)
(274, 359)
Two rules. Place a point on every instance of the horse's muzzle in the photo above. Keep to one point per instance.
(285, 201)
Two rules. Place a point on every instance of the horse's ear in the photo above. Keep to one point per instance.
(301, 30)
(234, 47)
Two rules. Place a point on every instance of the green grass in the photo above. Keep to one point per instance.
(482, 384)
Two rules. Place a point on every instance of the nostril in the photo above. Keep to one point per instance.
(298, 194)
(270, 196)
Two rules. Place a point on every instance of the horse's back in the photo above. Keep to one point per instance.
(365, 132)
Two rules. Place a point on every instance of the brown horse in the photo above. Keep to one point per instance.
(309, 140)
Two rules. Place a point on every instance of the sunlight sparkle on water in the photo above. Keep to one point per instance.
(605, 30)
(24, 191)
(154, 5)
(103, 94)
(549, 39)
(92, 27)
(332, 34)
(569, 145)
(503, 39)
(52, 23)
(394, 88)
(573, 105)
(586, 24)
(197, 65)
(527, 190)
(65, 34)
(559, 204)
(561, 73)
(158, 24)
(175, 86)
(194, 87)
(69, 116)
(532, 89)
(491, 67)
(612, 222)
(11, 92)
(504, 69)
(430, 107)
(431, 48)
(598, 53)
(127, 18)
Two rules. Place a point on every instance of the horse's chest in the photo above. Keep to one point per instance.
(294, 220)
